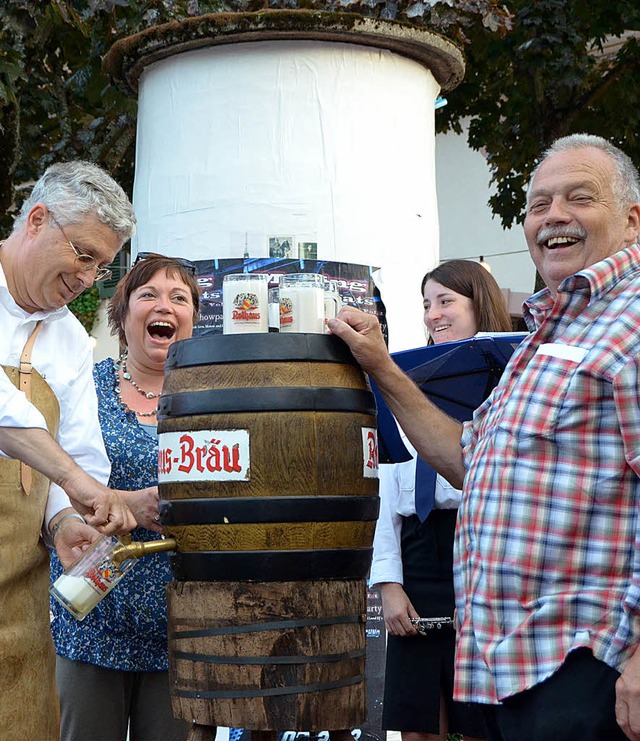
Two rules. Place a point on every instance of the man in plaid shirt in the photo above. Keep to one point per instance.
(547, 553)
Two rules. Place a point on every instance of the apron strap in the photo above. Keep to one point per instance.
(25, 386)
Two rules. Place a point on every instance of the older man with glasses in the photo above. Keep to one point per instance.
(84, 261)
(53, 463)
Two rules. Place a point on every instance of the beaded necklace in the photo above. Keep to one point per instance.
(121, 362)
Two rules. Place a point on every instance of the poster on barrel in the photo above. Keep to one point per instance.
(354, 282)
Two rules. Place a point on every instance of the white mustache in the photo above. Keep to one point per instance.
(560, 231)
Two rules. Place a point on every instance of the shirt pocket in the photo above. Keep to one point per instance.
(541, 398)
(406, 481)
(406, 473)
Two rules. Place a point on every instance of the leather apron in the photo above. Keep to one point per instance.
(29, 709)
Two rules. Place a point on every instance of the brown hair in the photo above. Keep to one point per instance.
(470, 279)
(142, 272)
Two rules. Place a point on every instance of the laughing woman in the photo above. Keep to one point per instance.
(112, 667)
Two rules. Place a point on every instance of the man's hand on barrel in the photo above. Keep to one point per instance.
(102, 507)
(364, 337)
(143, 503)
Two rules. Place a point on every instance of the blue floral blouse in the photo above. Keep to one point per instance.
(127, 630)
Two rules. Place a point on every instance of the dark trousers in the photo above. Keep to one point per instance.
(98, 704)
(577, 703)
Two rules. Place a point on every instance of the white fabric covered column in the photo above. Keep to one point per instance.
(328, 142)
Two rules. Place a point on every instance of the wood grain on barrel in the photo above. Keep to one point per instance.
(251, 375)
(281, 536)
(202, 607)
(292, 454)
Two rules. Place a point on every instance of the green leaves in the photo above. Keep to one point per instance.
(85, 307)
(547, 77)
(59, 103)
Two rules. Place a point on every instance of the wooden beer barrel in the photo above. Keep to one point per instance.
(268, 482)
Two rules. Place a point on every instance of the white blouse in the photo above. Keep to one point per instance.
(397, 500)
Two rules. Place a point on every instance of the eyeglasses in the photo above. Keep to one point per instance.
(86, 262)
(187, 264)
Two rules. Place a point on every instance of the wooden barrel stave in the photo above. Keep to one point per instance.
(263, 375)
(195, 608)
(272, 536)
(292, 454)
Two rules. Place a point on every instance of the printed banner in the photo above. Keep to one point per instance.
(203, 455)
(355, 284)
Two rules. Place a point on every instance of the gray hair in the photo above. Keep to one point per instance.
(626, 184)
(74, 190)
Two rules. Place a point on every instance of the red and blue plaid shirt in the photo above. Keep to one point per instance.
(547, 552)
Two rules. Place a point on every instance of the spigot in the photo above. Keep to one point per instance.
(138, 549)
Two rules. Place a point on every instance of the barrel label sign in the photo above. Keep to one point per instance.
(203, 455)
(370, 452)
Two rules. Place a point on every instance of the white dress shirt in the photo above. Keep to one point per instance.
(397, 482)
(63, 357)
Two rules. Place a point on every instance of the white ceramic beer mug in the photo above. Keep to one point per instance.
(302, 303)
(244, 303)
